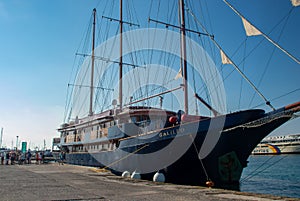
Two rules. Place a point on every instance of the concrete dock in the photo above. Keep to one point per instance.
(68, 182)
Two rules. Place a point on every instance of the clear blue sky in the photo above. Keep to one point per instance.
(38, 41)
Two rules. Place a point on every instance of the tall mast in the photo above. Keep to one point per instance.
(93, 64)
(121, 22)
(183, 56)
(121, 58)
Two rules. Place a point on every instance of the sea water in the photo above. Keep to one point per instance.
(272, 174)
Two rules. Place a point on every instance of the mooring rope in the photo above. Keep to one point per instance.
(117, 161)
(207, 177)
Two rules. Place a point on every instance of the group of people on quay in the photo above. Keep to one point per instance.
(17, 157)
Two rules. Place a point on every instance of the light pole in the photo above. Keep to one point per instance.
(17, 143)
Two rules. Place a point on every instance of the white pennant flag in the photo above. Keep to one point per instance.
(179, 74)
(225, 59)
(250, 29)
(295, 2)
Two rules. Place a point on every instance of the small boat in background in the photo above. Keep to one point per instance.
(287, 144)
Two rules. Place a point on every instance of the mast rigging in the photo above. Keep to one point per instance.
(121, 22)
(267, 102)
(264, 35)
(183, 63)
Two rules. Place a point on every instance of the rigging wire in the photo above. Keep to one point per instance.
(278, 97)
(204, 89)
(243, 69)
(192, 60)
(264, 35)
(135, 57)
(163, 57)
(194, 84)
(72, 95)
(274, 48)
(228, 75)
(242, 42)
(98, 3)
(98, 69)
(104, 80)
(110, 80)
(238, 69)
(210, 25)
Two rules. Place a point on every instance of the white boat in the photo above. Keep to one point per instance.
(288, 144)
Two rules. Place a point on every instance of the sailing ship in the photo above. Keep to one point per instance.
(153, 142)
(286, 144)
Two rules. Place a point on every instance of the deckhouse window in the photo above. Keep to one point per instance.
(133, 119)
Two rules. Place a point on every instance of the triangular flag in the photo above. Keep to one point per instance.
(295, 2)
(250, 29)
(179, 74)
(225, 59)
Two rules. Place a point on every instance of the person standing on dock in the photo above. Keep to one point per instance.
(37, 158)
(12, 158)
(43, 157)
(29, 157)
(2, 158)
(61, 158)
(7, 158)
